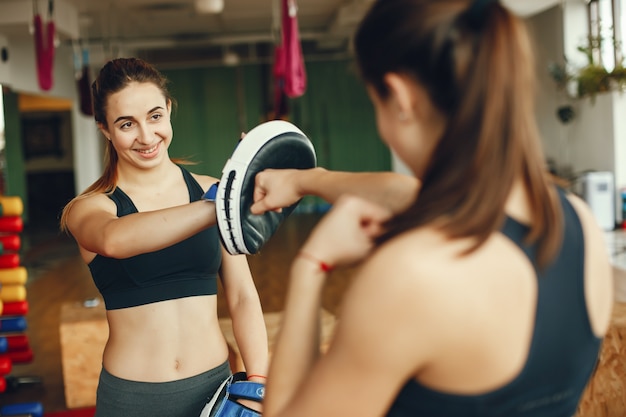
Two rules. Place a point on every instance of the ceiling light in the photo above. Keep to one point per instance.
(209, 6)
(230, 59)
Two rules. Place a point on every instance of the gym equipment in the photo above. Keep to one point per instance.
(44, 46)
(15, 308)
(13, 383)
(33, 409)
(9, 260)
(224, 401)
(11, 224)
(10, 243)
(13, 342)
(5, 366)
(275, 144)
(12, 324)
(13, 275)
(19, 356)
(11, 206)
(10, 293)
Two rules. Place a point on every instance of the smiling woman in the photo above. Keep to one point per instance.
(155, 259)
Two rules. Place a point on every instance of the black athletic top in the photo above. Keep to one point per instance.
(188, 268)
(563, 352)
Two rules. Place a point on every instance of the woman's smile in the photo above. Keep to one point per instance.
(150, 151)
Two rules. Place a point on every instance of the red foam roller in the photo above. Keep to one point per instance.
(3, 384)
(11, 224)
(19, 356)
(15, 308)
(9, 260)
(11, 242)
(5, 365)
(17, 342)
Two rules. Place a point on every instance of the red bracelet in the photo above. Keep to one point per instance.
(255, 376)
(323, 265)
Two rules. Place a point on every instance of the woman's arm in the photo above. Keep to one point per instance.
(371, 355)
(246, 314)
(280, 188)
(95, 226)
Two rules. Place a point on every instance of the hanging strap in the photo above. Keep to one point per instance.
(44, 46)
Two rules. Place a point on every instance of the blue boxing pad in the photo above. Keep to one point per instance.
(224, 403)
(276, 144)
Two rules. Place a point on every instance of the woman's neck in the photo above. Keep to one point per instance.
(517, 204)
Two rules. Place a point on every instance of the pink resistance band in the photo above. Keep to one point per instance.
(44, 47)
(289, 70)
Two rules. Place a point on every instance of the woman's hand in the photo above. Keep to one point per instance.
(346, 234)
(275, 189)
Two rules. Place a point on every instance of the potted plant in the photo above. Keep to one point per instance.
(590, 79)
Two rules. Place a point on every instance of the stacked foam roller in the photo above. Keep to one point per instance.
(14, 345)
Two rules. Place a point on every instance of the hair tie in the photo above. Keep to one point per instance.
(476, 13)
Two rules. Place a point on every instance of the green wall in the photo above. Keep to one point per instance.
(338, 116)
(216, 104)
(211, 114)
(335, 112)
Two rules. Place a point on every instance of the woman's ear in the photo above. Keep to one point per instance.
(399, 94)
(410, 98)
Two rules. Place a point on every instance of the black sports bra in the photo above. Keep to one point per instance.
(563, 353)
(185, 269)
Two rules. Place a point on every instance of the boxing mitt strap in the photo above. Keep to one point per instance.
(247, 390)
(211, 193)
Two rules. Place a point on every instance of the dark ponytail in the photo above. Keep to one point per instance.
(475, 61)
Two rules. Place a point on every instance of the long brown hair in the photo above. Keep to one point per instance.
(475, 60)
(114, 76)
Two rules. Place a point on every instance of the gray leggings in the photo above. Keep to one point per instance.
(117, 397)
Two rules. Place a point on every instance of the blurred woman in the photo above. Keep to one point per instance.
(149, 240)
(489, 293)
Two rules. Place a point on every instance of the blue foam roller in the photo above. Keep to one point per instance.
(34, 409)
(12, 324)
(4, 344)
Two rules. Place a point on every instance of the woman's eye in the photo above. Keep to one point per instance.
(125, 125)
(156, 116)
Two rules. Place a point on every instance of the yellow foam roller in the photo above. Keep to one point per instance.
(1, 307)
(11, 206)
(13, 276)
(10, 293)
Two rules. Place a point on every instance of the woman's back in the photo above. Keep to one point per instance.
(509, 342)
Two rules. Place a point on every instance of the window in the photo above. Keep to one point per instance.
(609, 29)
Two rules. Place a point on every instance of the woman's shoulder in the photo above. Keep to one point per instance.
(585, 215)
(205, 181)
(414, 278)
(92, 201)
(83, 206)
(422, 250)
(598, 269)
(595, 242)
(418, 262)
(434, 264)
